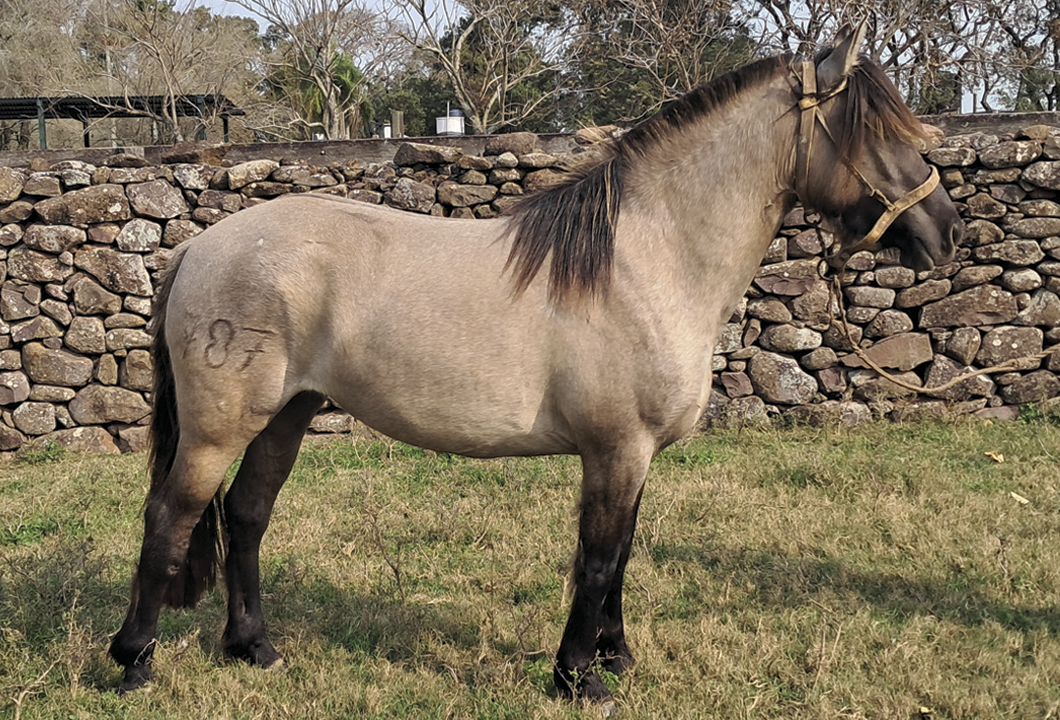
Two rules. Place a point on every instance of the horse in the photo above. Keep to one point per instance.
(452, 335)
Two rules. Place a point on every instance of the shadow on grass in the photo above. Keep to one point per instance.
(68, 598)
(791, 581)
(69, 585)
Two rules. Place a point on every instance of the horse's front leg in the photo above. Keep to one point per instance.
(615, 655)
(611, 488)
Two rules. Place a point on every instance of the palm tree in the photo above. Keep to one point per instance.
(329, 96)
(335, 98)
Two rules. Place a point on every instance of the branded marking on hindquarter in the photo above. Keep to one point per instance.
(256, 346)
(220, 334)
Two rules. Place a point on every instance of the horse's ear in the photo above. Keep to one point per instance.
(840, 62)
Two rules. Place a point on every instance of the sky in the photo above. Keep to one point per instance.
(222, 7)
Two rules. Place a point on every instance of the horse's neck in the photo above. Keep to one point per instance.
(710, 200)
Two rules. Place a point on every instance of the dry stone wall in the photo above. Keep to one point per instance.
(785, 352)
(81, 246)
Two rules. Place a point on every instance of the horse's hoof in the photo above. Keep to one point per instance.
(588, 689)
(136, 676)
(260, 654)
(591, 690)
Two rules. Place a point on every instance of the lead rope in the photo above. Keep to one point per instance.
(836, 291)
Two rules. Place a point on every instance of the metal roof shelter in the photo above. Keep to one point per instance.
(85, 108)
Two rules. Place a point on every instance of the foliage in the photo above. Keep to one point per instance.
(337, 107)
(42, 453)
(636, 55)
(120, 48)
(502, 59)
(985, 46)
(1033, 413)
(420, 98)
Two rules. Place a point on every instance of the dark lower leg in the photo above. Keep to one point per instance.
(615, 655)
(574, 673)
(168, 523)
(611, 489)
(248, 507)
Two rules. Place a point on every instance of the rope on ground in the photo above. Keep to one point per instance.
(1007, 366)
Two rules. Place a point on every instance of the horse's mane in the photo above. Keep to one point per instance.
(574, 220)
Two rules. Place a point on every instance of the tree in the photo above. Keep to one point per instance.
(993, 52)
(419, 92)
(503, 58)
(316, 46)
(342, 115)
(121, 48)
(155, 47)
(1032, 32)
(635, 55)
(28, 35)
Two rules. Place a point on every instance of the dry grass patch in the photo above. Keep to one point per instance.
(790, 573)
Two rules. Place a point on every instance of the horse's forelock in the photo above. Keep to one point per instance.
(874, 110)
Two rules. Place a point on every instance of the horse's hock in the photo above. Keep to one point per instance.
(81, 246)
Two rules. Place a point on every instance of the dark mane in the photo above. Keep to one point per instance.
(574, 221)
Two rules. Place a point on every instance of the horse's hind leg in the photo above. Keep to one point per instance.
(611, 490)
(171, 514)
(248, 506)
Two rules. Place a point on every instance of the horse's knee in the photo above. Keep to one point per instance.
(244, 519)
(594, 573)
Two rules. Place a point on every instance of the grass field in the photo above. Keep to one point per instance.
(898, 571)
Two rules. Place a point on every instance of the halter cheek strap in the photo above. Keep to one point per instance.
(810, 117)
(894, 209)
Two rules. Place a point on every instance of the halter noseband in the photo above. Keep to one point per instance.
(810, 116)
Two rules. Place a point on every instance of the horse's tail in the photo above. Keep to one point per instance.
(199, 571)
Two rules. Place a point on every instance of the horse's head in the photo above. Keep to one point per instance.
(858, 163)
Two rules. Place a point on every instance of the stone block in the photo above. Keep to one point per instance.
(778, 379)
(95, 204)
(34, 418)
(55, 367)
(100, 404)
(898, 352)
(1009, 343)
(413, 153)
(981, 305)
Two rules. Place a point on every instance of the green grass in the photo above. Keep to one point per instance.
(795, 573)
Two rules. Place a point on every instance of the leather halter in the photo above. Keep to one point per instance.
(810, 117)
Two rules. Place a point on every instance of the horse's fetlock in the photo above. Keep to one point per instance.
(131, 653)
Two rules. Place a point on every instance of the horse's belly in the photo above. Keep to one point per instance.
(472, 426)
